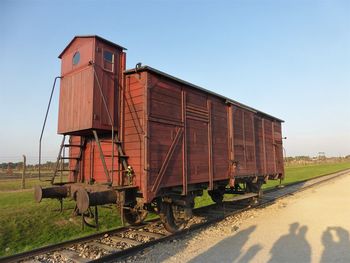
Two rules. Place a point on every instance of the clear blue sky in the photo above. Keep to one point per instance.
(287, 58)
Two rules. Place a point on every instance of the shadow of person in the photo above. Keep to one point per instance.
(250, 254)
(335, 250)
(292, 247)
(229, 249)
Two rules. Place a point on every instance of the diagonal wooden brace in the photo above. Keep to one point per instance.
(167, 160)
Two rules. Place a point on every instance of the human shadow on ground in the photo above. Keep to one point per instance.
(230, 249)
(336, 245)
(292, 247)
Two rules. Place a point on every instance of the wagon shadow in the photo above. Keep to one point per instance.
(230, 249)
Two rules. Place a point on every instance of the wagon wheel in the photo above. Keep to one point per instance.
(217, 196)
(172, 217)
(255, 188)
(90, 219)
(133, 216)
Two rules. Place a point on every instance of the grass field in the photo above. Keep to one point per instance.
(25, 225)
(16, 184)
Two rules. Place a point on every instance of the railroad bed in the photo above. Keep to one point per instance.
(122, 242)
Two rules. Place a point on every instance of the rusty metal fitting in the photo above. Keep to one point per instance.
(86, 199)
(58, 192)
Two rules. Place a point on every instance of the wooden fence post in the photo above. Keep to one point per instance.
(24, 172)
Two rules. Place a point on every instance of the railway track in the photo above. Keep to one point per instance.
(122, 242)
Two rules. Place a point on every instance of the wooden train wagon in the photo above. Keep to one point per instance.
(181, 136)
(149, 141)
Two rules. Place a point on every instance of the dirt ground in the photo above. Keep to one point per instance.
(310, 226)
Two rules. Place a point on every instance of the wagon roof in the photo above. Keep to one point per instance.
(91, 36)
(228, 100)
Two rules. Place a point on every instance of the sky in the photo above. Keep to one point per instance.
(290, 59)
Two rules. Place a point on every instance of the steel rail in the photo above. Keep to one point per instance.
(270, 196)
(133, 250)
(64, 244)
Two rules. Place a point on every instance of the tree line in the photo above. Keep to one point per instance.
(19, 166)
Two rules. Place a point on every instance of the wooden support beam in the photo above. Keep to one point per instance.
(274, 147)
(184, 144)
(210, 148)
(102, 156)
(264, 146)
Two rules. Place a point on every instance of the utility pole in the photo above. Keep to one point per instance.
(24, 172)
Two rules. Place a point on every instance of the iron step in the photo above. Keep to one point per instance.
(70, 158)
(66, 170)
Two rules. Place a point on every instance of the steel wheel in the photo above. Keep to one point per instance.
(217, 196)
(172, 217)
(255, 188)
(133, 216)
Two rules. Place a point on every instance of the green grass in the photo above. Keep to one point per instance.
(16, 184)
(12, 184)
(25, 225)
(300, 173)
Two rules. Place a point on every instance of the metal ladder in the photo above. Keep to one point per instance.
(114, 139)
(60, 163)
(122, 158)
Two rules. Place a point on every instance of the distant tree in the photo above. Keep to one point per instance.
(303, 158)
(289, 159)
(9, 169)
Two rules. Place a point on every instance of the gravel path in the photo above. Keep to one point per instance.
(311, 226)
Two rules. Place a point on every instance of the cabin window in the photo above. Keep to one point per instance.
(76, 58)
(108, 60)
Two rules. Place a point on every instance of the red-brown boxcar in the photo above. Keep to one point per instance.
(152, 142)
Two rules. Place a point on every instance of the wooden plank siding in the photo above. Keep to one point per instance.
(133, 126)
(210, 146)
(177, 136)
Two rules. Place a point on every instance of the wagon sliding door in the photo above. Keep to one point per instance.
(180, 137)
(165, 136)
(273, 148)
(243, 145)
(199, 138)
(277, 129)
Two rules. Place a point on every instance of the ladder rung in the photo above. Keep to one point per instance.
(70, 158)
(116, 142)
(123, 156)
(66, 170)
(73, 145)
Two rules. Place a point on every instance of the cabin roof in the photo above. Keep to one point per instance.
(91, 36)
